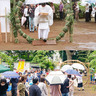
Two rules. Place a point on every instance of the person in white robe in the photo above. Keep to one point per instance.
(43, 18)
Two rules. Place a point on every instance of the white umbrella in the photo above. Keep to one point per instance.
(66, 67)
(41, 1)
(84, 2)
(55, 1)
(30, 1)
(36, 1)
(78, 66)
(56, 77)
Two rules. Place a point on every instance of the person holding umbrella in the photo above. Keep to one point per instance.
(55, 90)
(65, 86)
(71, 85)
(14, 82)
(3, 87)
(80, 82)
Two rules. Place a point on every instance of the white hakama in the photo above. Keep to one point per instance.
(43, 21)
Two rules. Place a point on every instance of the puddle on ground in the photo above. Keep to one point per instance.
(62, 40)
(89, 45)
(88, 33)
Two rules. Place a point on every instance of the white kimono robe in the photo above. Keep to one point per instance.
(43, 21)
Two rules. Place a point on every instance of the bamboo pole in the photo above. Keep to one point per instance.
(11, 35)
(5, 26)
(0, 33)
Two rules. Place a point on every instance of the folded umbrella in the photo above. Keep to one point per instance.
(55, 78)
(72, 72)
(10, 74)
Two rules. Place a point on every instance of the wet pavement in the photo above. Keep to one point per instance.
(84, 38)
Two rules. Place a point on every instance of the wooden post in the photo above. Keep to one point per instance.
(0, 33)
(11, 38)
(5, 26)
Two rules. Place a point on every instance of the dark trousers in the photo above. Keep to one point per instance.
(27, 22)
(95, 16)
(61, 15)
(87, 17)
(3, 95)
(14, 92)
(74, 13)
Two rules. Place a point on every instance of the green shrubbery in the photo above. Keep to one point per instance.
(56, 11)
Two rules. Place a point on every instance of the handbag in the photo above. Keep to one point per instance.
(23, 20)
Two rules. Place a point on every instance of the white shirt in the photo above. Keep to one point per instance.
(43, 89)
(95, 8)
(87, 9)
(26, 12)
(43, 21)
(80, 79)
(95, 75)
(77, 8)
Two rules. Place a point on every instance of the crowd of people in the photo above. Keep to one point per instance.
(29, 12)
(40, 16)
(88, 11)
(33, 83)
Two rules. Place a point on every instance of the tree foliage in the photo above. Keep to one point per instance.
(40, 57)
(8, 59)
(92, 59)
